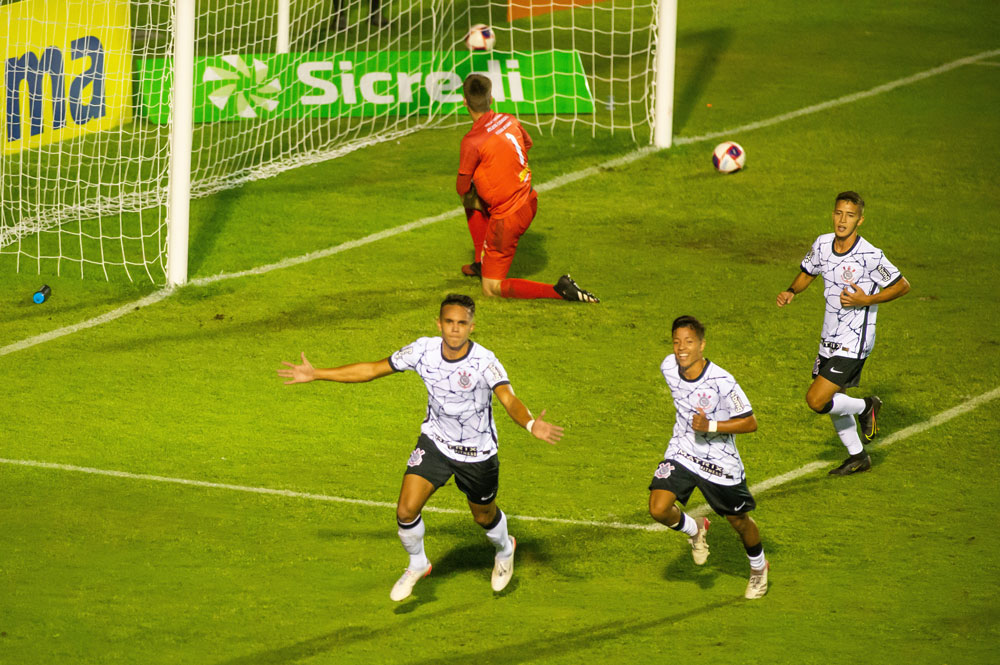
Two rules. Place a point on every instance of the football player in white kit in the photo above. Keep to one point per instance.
(457, 438)
(711, 408)
(857, 277)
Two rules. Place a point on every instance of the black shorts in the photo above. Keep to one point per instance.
(845, 372)
(479, 481)
(674, 477)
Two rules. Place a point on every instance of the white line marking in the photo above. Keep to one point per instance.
(544, 187)
(989, 64)
(152, 298)
(770, 483)
(840, 101)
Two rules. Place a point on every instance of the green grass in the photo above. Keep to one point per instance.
(896, 565)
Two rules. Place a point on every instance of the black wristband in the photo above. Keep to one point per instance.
(789, 290)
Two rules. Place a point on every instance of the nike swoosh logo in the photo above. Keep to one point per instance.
(740, 506)
(833, 371)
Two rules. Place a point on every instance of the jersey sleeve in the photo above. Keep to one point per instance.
(668, 365)
(737, 402)
(812, 263)
(468, 157)
(884, 273)
(408, 356)
(494, 373)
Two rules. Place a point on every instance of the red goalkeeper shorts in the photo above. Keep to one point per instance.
(502, 234)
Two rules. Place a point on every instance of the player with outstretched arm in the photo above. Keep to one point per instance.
(457, 438)
(711, 408)
(857, 277)
(494, 181)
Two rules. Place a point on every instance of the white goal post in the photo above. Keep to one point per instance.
(119, 112)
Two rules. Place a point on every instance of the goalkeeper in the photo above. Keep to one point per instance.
(494, 181)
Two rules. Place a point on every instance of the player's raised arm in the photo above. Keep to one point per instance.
(799, 284)
(519, 413)
(353, 373)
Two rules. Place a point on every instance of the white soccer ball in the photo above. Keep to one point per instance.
(480, 38)
(729, 157)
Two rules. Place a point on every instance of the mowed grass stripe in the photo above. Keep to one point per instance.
(758, 488)
(555, 183)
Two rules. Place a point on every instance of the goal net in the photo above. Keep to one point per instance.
(88, 100)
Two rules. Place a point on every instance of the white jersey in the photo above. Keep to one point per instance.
(713, 456)
(459, 396)
(848, 331)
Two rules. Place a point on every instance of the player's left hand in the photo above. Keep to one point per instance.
(546, 431)
(699, 422)
(853, 296)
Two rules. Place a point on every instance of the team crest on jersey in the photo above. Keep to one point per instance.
(416, 457)
(704, 400)
(463, 380)
(849, 273)
(663, 471)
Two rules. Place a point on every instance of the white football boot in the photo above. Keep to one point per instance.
(404, 585)
(503, 569)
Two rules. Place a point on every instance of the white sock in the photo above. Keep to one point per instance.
(687, 525)
(498, 536)
(412, 536)
(847, 430)
(846, 406)
(757, 562)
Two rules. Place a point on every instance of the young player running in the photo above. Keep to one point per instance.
(711, 407)
(458, 437)
(494, 181)
(857, 277)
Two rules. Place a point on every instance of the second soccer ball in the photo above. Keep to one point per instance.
(480, 38)
(728, 157)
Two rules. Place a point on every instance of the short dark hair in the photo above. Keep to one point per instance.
(477, 90)
(853, 197)
(459, 299)
(689, 322)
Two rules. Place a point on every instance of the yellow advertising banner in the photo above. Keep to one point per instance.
(67, 70)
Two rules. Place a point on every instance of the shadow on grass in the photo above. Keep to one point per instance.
(581, 640)
(531, 256)
(322, 310)
(712, 44)
(327, 643)
(212, 212)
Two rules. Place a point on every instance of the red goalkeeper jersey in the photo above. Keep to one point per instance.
(495, 153)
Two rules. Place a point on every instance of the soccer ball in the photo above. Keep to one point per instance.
(480, 38)
(728, 157)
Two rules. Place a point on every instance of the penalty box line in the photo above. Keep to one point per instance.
(702, 510)
(555, 183)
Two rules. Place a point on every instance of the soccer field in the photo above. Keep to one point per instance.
(165, 499)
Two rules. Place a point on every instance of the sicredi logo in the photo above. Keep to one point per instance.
(79, 102)
(250, 89)
(383, 88)
(296, 85)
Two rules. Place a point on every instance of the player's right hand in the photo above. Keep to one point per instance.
(546, 431)
(303, 373)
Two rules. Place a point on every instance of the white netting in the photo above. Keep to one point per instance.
(88, 193)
